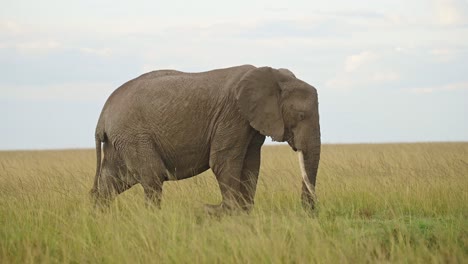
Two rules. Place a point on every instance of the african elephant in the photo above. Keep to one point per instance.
(170, 125)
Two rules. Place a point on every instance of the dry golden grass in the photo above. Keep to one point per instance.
(377, 203)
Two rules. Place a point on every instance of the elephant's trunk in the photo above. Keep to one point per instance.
(309, 163)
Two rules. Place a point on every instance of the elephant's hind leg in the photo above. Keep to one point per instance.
(143, 160)
(113, 178)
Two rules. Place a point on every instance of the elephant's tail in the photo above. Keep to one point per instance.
(99, 138)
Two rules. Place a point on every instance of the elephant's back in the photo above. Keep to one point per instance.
(165, 86)
(159, 73)
(164, 101)
(141, 90)
(157, 104)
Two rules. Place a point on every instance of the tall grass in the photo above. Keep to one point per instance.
(377, 203)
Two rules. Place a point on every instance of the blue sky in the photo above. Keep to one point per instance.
(386, 71)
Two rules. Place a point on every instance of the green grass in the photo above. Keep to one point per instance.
(377, 203)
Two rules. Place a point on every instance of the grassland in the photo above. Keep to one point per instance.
(377, 203)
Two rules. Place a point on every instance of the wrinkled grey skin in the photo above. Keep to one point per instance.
(170, 125)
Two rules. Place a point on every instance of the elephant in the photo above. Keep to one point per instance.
(170, 125)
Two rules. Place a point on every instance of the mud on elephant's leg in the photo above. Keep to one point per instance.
(250, 172)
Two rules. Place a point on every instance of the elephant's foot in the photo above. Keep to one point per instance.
(153, 204)
(219, 209)
(247, 208)
(223, 208)
(100, 200)
(215, 209)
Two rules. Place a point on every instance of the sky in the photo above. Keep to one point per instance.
(385, 71)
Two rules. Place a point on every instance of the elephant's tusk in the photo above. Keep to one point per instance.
(306, 180)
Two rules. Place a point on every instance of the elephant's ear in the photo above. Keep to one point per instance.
(258, 95)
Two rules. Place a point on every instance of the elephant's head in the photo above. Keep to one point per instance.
(279, 105)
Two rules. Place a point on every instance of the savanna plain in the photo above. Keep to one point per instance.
(403, 203)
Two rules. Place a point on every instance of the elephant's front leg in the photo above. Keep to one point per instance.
(227, 168)
(250, 172)
(227, 153)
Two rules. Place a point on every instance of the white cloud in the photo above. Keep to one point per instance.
(348, 81)
(380, 77)
(104, 52)
(441, 88)
(451, 12)
(354, 62)
(10, 27)
(68, 92)
(38, 47)
(363, 70)
(443, 54)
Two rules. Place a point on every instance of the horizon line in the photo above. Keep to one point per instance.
(269, 144)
